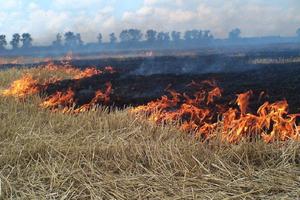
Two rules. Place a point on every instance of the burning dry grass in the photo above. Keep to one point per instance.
(114, 155)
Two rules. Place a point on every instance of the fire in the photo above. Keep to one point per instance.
(88, 72)
(68, 57)
(22, 87)
(194, 112)
(100, 97)
(200, 114)
(272, 122)
(77, 73)
(66, 101)
(109, 69)
(65, 68)
(243, 101)
(59, 99)
(201, 110)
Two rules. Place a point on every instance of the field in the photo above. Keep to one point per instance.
(110, 153)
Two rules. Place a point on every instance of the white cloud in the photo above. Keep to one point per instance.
(151, 2)
(253, 17)
(89, 17)
(76, 4)
(10, 4)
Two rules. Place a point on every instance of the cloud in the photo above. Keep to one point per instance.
(89, 17)
(45, 23)
(254, 17)
(151, 2)
(76, 4)
(11, 4)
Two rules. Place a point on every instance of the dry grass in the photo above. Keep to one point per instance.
(102, 155)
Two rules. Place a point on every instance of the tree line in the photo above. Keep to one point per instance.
(132, 36)
(126, 37)
(16, 41)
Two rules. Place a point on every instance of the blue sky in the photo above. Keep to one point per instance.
(43, 19)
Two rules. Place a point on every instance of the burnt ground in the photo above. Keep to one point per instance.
(140, 80)
(277, 81)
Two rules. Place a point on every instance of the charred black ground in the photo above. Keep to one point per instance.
(276, 82)
(140, 80)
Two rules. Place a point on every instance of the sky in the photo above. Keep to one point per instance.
(44, 19)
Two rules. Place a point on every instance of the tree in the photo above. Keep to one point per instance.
(3, 42)
(58, 40)
(124, 36)
(234, 34)
(79, 41)
(163, 37)
(15, 42)
(196, 34)
(188, 36)
(26, 40)
(135, 35)
(70, 39)
(131, 35)
(112, 38)
(298, 32)
(151, 35)
(99, 38)
(193, 35)
(175, 36)
(207, 35)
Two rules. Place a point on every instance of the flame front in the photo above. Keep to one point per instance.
(204, 112)
(64, 101)
(88, 72)
(59, 99)
(22, 87)
(200, 114)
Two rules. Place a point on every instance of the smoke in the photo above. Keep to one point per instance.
(193, 65)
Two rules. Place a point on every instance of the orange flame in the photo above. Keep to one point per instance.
(59, 99)
(22, 87)
(65, 68)
(199, 115)
(65, 101)
(88, 72)
(100, 97)
(243, 101)
(110, 69)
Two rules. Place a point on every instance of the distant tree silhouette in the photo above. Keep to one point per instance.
(298, 32)
(58, 41)
(135, 35)
(207, 35)
(131, 35)
(124, 36)
(79, 41)
(99, 38)
(26, 40)
(3, 42)
(199, 35)
(151, 35)
(175, 36)
(70, 39)
(234, 34)
(112, 38)
(188, 36)
(15, 42)
(193, 35)
(133, 38)
(163, 36)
